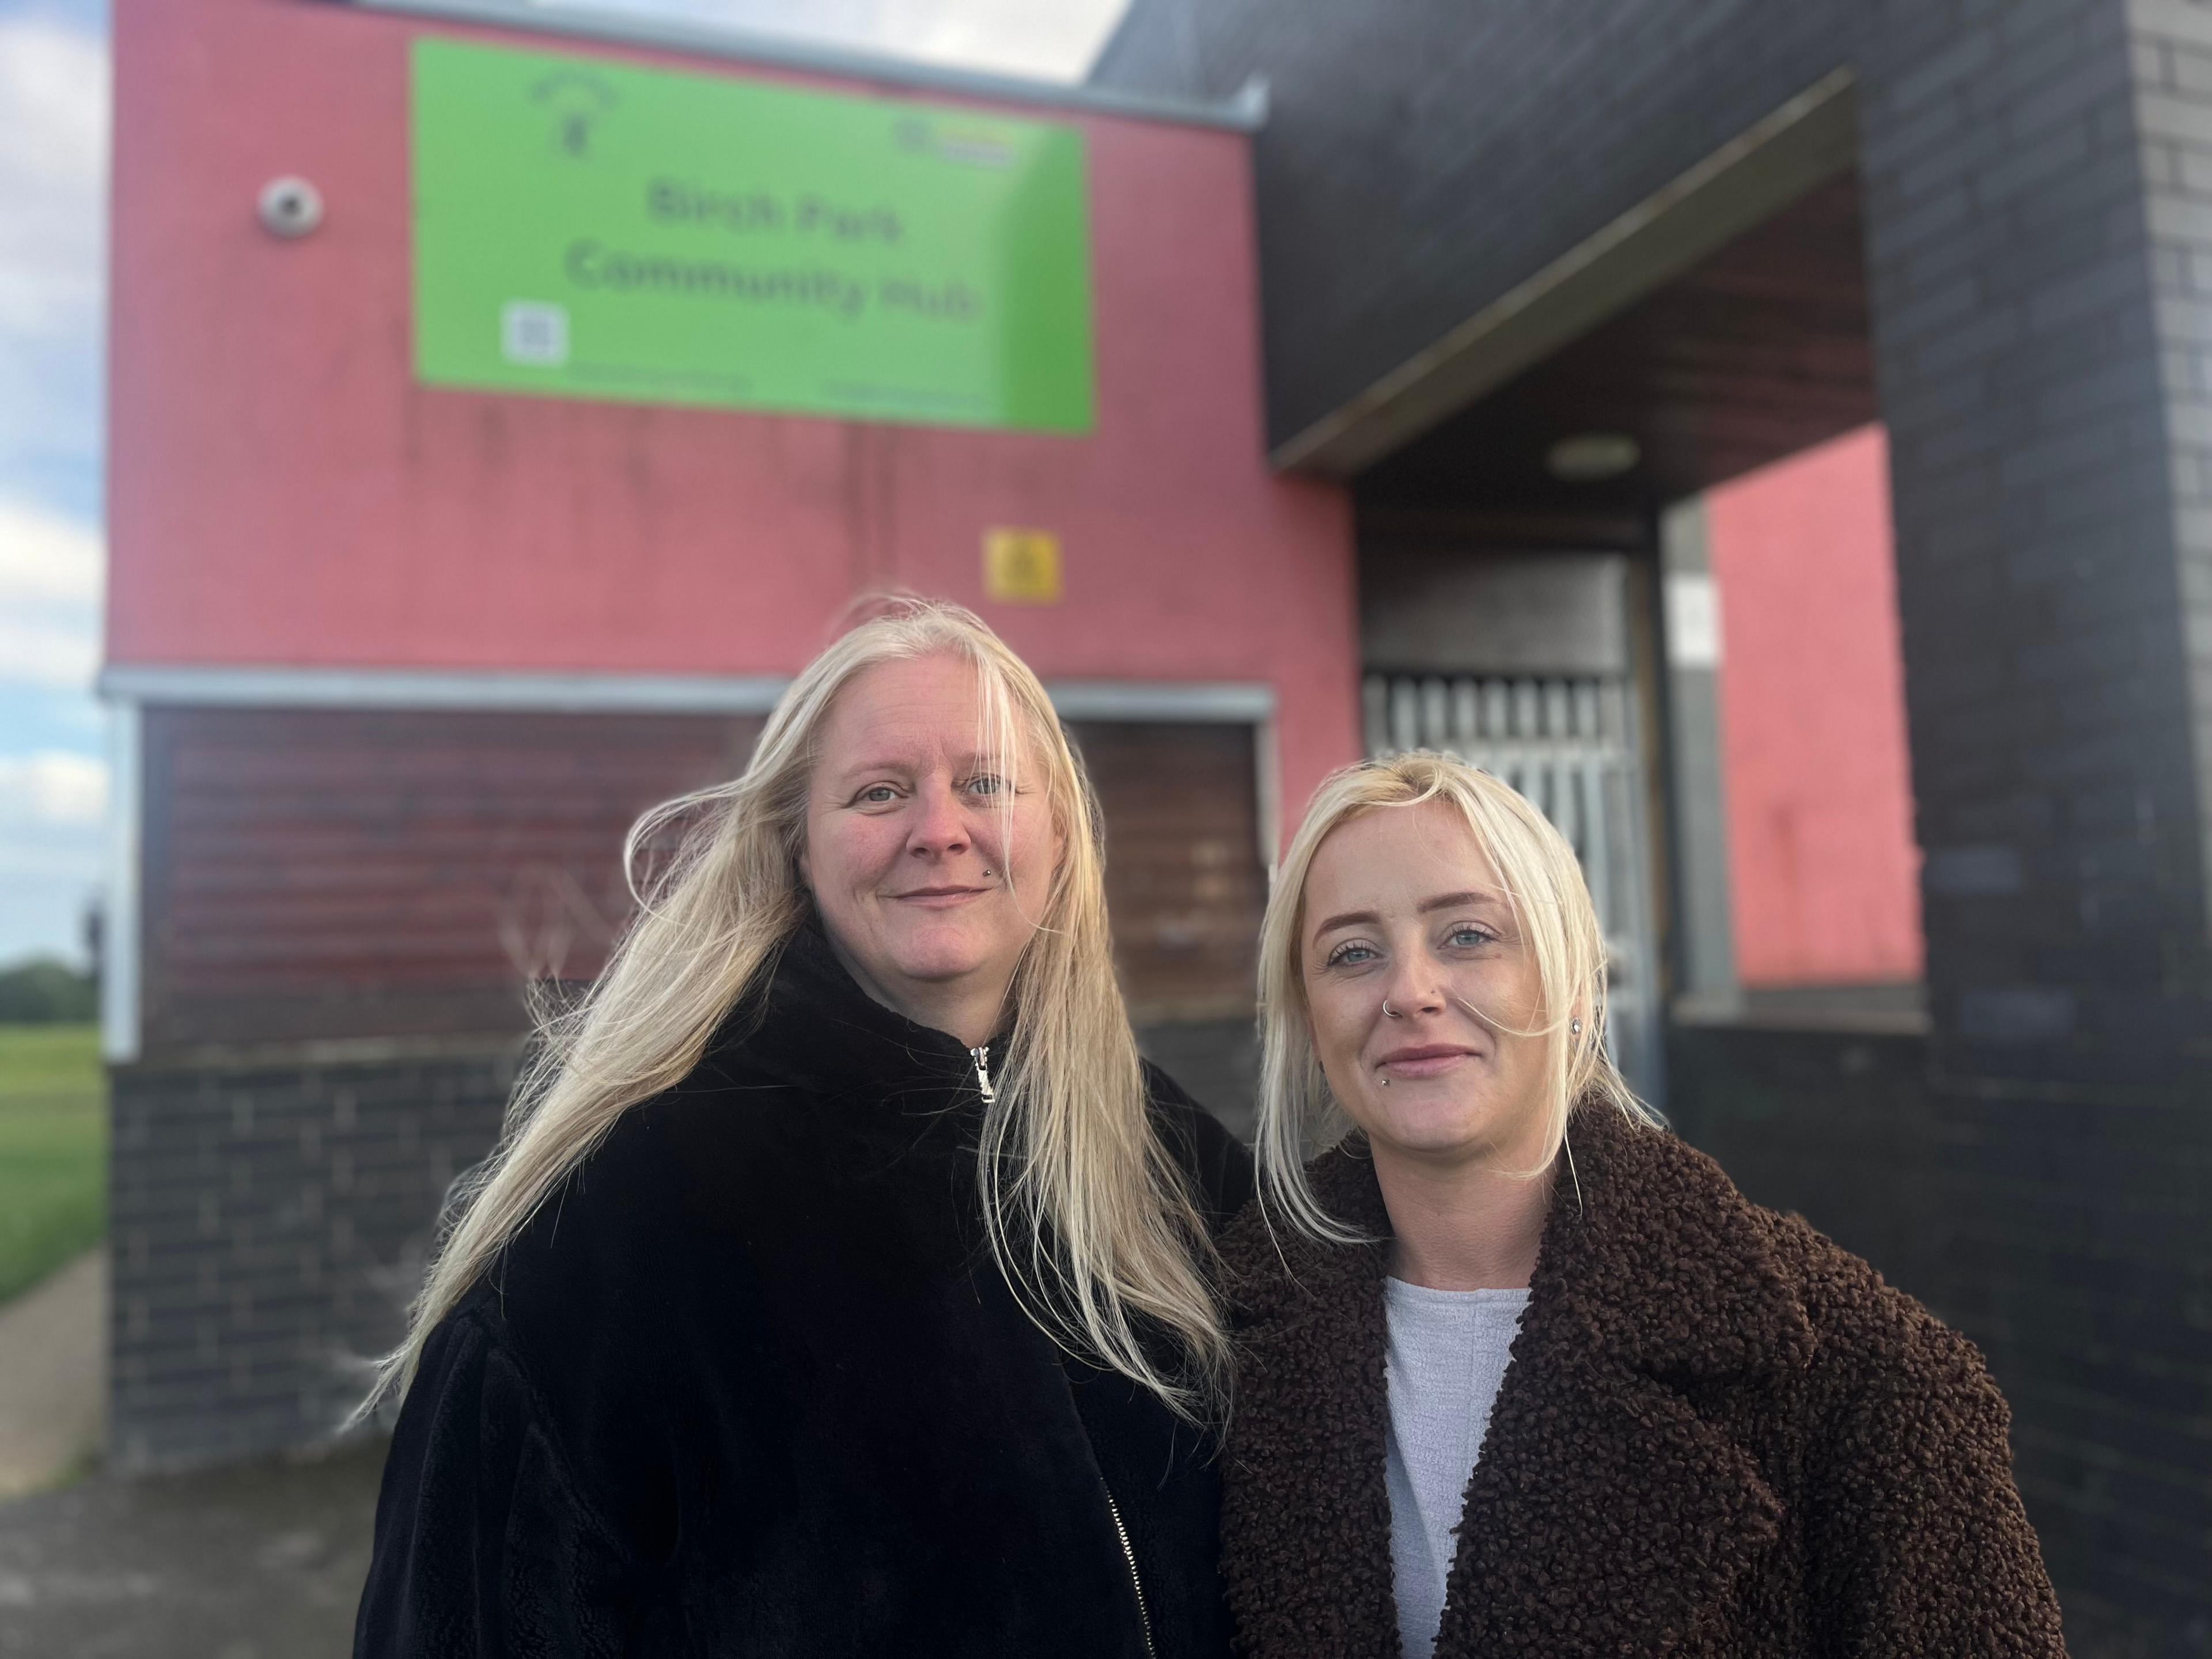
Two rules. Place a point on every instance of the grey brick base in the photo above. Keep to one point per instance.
(2065, 1230)
(270, 1221)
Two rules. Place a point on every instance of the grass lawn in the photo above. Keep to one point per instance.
(53, 1150)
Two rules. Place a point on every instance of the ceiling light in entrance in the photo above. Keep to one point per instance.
(1589, 456)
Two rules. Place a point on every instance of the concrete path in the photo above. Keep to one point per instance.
(53, 1377)
(264, 1562)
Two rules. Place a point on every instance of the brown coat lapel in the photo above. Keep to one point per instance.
(1607, 1513)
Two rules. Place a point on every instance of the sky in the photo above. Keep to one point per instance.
(53, 178)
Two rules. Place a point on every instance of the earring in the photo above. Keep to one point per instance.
(1574, 1028)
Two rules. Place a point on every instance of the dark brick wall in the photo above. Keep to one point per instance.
(2171, 50)
(2066, 1231)
(270, 1223)
(1216, 1060)
(2024, 359)
(1422, 157)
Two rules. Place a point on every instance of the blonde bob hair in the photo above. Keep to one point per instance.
(1299, 1116)
(1089, 1216)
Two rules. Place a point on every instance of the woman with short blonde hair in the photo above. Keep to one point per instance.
(1519, 1372)
(842, 1282)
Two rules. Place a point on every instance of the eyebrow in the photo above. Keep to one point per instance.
(1442, 901)
(904, 763)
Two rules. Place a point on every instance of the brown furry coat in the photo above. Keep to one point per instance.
(1720, 1435)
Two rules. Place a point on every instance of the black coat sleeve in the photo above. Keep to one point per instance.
(1219, 1163)
(484, 1545)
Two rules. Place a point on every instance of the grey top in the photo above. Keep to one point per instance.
(1448, 1355)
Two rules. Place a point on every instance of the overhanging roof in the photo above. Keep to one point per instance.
(1811, 140)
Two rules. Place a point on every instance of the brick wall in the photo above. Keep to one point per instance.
(2019, 349)
(270, 1222)
(2172, 48)
(2065, 1231)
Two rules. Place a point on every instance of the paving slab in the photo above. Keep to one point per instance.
(263, 1561)
(53, 1376)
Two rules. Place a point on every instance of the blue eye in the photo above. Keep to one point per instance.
(1469, 938)
(1350, 954)
(878, 794)
(986, 785)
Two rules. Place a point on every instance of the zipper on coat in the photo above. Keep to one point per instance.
(1129, 1555)
(983, 1057)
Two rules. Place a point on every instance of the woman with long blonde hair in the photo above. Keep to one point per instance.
(842, 1282)
(1519, 1372)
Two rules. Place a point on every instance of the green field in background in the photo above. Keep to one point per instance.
(53, 1150)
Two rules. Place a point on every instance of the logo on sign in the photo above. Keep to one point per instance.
(578, 100)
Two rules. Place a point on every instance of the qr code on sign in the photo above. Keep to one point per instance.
(534, 331)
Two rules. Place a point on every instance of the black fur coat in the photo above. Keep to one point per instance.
(1720, 1435)
(752, 1385)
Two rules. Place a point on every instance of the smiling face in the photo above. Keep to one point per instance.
(927, 864)
(1402, 908)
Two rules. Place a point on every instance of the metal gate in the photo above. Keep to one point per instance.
(1568, 742)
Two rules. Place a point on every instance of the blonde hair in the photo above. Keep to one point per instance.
(1299, 1115)
(1090, 1218)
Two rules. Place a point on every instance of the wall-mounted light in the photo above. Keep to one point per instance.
(1587, 457)
(289, 207)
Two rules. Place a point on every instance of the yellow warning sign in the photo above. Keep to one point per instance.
(1021, 567)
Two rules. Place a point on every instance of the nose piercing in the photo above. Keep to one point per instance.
(1390, 1011)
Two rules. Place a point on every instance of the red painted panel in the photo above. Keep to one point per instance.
(1184, 882)
(1823, 867)
(333, 873)
(327, 873)
(282, 493)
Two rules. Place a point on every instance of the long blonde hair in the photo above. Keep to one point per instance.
(1090, 1218)
(1298, 1114)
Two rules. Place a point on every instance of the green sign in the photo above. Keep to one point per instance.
(588, 229)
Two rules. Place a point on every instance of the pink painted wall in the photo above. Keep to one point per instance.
(1824, 870)
(282, 493)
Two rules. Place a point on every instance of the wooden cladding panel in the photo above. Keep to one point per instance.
(338, 873)
(321, 874)
(1183, 875)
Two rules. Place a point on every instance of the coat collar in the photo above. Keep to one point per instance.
(1604, 1511)
(814, 1028)
(1648, 1248)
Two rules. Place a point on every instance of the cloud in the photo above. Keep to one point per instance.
(53, 205)
(1046, 39)
(1056, 42)
(51, 573)
(53, 173)
(53, 786)
(45, 558)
